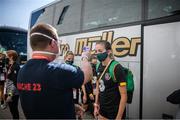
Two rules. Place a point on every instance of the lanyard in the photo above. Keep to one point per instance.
(104, 70)
(9, 69)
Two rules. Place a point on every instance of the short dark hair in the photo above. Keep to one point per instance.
(39, 42)
(106, 44)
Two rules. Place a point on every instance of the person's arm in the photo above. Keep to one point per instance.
(89, 90)
(123, 100)
(74, 77)
(97, 93)
(120, 77)
(96, 104)
(84, 94)
(88, 87)
(86, 67)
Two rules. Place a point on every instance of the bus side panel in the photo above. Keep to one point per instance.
(161, 68)
(132, 110)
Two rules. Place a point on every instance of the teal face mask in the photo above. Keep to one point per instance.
(69, 62)
(102, 56)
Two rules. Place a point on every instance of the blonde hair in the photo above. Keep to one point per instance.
(68, 53)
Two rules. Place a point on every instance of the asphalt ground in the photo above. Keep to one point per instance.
(5, 114)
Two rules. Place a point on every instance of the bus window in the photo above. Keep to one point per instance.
(67, 16)
(62, 15)
(35, 17)
(43, 15)
(100, 13)
(162, 8)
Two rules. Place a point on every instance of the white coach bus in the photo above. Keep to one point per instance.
(145, 37)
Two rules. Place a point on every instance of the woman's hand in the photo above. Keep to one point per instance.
(84, 98)
(91, 96)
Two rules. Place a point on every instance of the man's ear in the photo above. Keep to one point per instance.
(52, 44)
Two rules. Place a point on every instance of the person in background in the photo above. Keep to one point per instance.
(88, 90)
(2, 78)
(11, 83)
(46, 87)
(69, 59)
(94, 61)
(111, 96)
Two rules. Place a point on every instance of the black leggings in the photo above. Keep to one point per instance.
(13, 106)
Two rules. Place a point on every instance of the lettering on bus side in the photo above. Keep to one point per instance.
(121, 46)
(64, 48)
(81, 42)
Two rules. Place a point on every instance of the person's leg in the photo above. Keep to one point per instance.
(124, 114)
(13, 106)
(1, 92)
(91, 107)
(3, 104)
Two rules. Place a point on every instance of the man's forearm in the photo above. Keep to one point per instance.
(87, 70)
(123, 102)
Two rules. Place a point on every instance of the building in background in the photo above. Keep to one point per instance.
(15, 39)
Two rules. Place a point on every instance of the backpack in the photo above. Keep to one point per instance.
(128, 77)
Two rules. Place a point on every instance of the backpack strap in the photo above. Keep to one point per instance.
(97, 66)
(111, 69)
(104, 70)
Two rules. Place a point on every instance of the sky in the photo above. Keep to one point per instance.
(16, 13)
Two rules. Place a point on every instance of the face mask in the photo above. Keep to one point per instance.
(102, 56)
(69, 62)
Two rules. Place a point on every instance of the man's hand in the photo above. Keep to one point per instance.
(85, 55)
(84, 98)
